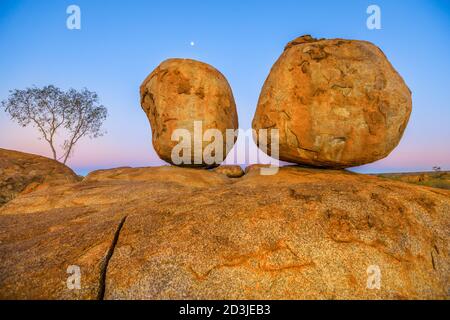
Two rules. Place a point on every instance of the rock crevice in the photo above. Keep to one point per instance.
(109, 254)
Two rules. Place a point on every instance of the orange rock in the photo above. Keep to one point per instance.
(181, 233)
(231, 171)
(181, 91)
(337, 103)
(24, 172)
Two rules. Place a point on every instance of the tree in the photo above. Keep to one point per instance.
(53, 111)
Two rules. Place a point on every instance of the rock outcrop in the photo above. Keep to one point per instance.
(180, 92)
(23, 172)
(231, 171)
(181, 233)
(337, 103)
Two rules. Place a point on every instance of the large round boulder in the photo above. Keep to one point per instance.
(337, 103)
(190, 95)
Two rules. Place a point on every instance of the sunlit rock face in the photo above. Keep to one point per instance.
(180, 93)
(337, 103)
(184, 233)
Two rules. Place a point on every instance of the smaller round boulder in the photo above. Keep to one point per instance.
(191, 97)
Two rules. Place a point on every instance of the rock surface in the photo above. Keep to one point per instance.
(337, 103)
(173, 233)
(231, 171)
(23, 172)
(181, 91)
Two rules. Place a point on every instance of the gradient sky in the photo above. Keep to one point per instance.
(121, 42)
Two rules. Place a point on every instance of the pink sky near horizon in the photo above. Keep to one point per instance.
(103, 152)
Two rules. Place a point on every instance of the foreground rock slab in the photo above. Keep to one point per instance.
(173, 233)
(337, 103)
(24, 172)
(231, 171)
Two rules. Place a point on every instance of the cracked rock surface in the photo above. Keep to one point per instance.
(174, 233)
(178, 93)
(337, 103)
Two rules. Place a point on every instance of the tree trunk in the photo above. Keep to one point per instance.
(53, 150)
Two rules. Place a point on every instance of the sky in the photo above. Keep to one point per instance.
(121, 42)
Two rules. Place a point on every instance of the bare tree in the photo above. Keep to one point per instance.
(52, 111)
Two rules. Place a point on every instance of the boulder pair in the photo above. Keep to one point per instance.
(336, 103)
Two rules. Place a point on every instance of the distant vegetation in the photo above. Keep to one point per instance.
(435, 178)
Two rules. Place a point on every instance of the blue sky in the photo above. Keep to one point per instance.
(121, 42)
